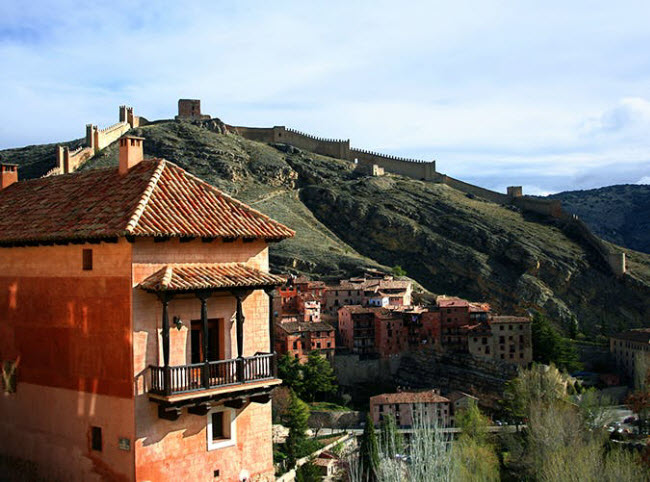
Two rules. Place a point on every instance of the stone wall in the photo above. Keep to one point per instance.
(481, 377)
(416, 169)
(486, 194)
(351, 369)
(96, 140)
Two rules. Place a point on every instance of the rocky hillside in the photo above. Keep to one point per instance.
(619, 214)
(448, 242)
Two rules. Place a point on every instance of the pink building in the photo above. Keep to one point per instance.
(135, 305)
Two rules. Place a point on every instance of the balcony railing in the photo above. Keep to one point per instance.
(215, 374)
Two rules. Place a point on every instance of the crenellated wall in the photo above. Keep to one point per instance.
(96, 140)
(416, 169)
(486, 194)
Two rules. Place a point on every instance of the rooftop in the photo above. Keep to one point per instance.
(199, 276)
(510, 319)
(297, 326)
(428, 396)
(155, 198)
(640, 335)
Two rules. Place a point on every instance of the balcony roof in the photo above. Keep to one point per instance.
(199, 276)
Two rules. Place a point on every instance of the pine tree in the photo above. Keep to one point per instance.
(297, 416)
(290, 371)
(368, 451)
(318, 377)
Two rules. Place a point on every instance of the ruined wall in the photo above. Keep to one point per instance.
(486, 194)
(337, 148)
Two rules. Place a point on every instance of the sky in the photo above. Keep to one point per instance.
(549, 95)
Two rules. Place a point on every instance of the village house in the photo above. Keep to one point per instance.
(428, 407)
(631, 352)
(382, 332)
(298, 339)
(368, 291)
(298, 326)
(135, 305)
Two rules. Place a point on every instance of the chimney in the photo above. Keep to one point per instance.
(130, 152)
(8, 175)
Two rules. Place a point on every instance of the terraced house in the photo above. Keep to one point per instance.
(135, 309)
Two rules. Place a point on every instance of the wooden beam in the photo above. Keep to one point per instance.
(200, 408)
(169, 413)
(236, 403)
(265, 398)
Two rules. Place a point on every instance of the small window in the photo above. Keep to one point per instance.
(221, 428)
(96, 436)
(87, 259)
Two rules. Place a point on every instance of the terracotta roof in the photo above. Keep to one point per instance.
(371, 284)
(641, 335)
(510, 319)
(448, 302)
(197, 276)
(155, 198)
(296, 326)
(409, 397)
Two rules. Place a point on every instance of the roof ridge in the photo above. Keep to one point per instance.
(146, 195)
(241, 204)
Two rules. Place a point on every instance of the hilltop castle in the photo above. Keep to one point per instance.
(367, 162)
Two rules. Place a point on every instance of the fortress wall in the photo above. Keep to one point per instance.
(546, 207)
(337, 148)
(259, 134)
(413, 168)
(105, 137)
(487, 194)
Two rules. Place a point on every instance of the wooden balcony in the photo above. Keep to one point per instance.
(199, 377)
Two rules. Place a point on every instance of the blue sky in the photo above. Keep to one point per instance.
(551, 95)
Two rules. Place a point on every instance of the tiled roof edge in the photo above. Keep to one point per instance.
(241, 204)
(146, 195)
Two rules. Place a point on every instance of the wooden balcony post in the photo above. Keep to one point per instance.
(203, 296)
(164, 299)
(239, 296)
(271, 293)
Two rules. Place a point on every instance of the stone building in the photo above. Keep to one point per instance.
(190, 109)
(631, 352)
(368, 292)
(300, 338)
(142, 331)
(406, 407)
(385, 331)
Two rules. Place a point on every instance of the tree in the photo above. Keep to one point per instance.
(473, 423)
(369, 451)
(308, 473)
(290, 371)
(550, 347)
(541, 384)
(474, 455)
(398, 270)
(391, 441)
(318, 377)
(297, 417)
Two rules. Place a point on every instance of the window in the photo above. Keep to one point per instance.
(501, 327)
(87, 259)
(96, 438)
(221, 430)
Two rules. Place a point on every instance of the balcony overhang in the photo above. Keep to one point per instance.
(193, 277)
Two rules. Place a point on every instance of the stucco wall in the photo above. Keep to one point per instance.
(177, 450)
(72, 331)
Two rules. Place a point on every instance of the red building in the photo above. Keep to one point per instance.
(135, 300)
(299, 339)
(386, 331)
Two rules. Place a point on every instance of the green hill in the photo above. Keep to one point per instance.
(620, 214)
(449, 242)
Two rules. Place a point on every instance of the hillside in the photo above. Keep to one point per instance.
(449, 242)
(620, 214)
